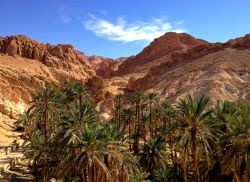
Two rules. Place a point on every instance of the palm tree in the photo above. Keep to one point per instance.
(157, 118)
(23, 121)
(129, 119)
(154, 155)
(169, 130)
(36, 151)
(65, 139)
(220, 126)
(72, 123)
(74, 90)
(99, 155)
(151, 99)
(137, 103)
(237, 144)
(223, 110)
(196, 135)
(45, 107)
(118, 105)
(87, 148)
(168, 174)
(140, 176)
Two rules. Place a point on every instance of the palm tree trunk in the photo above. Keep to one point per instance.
(119, 116)
(45, 123)
(86, 165)
(93, 172)
(185, 167)
(35, 168)
(150, 119)
(195, 164)
(129, 131)
(138, 129)
(135, 145)
(80, 99)
(106, 160)
(248, 170)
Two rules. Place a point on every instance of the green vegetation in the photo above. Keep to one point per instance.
(146, 140)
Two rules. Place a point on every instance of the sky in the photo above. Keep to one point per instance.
(117, 28)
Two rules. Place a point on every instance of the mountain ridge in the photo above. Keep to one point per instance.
(172, 65)
(168, 43)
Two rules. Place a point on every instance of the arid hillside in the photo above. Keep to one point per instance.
(105, 67)
(161, 47)
(219, 70)
(173, 65)
(26, 65)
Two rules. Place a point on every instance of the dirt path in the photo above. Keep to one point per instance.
(13, 167)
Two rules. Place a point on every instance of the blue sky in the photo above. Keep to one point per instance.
(115, 28)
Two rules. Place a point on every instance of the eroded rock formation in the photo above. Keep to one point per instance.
(219, 70)
(173, 65)
(27, 65)
(105, 67)
(169, 43)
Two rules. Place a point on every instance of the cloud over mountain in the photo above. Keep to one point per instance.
(123, 31)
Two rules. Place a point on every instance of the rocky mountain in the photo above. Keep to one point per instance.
(26, 65)
(161, 47)
(220, 70)
(104, 67)
(173, 65)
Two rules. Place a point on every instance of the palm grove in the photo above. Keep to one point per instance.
(146, 139)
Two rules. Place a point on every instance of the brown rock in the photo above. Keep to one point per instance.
(173, 66)
(27, 65)
(169, 43)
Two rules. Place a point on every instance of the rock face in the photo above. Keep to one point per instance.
(169, 43)
(27, 65)
(47, 54)
(242, 42)
(219, 70)
(104, 67)
(173, 65)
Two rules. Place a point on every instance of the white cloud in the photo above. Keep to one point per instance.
(125, 32)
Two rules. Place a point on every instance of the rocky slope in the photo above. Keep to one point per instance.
(163, 46)
(104, 67)
(175, 65)
(26, 65)
(172, 65)
(220, 70)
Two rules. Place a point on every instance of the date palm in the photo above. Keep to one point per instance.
(36, 152)
(137, 104)
(45, 107)
(154, 155)
(236, 142)
(220, 126)
(72, 124)
(26, 122)
(118, 101)
(223, 110)
(99, 155)
(169, 129)
(129, 119)
(196, 136)
(75, 90)
(151, 100)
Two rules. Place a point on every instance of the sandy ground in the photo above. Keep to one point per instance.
(8, 171)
